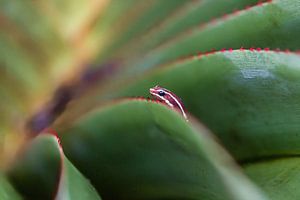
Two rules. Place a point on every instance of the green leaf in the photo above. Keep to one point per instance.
(35, 173)
(115, 10)
(73, 185)
(274, 25)
(250, 99)
(42, 166)
(7, 192)
(143, 150)
(153, 12)
(194, 13)
(278, 177)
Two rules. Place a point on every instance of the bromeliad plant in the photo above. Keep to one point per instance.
(77, 121)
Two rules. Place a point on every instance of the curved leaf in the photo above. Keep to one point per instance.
(110, 19)
(193, 14)
(39, 168)
(250, 99)
(274, 24)
(141, 150)
(155, 11)
(72, 184)
(7, 192)
(279, 177)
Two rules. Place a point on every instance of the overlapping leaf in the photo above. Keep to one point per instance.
(278, 177)
(250, 99)
(194, 13)
(141, 150)
(7, 192)
(44, 171)
(273, 24)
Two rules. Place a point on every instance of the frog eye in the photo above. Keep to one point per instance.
(161, 93)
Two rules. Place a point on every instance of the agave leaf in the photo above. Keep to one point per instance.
(273, 24)
(42, 165)
(194, 13)
(38, 167)
(112, 14)
(7, 192)
(102, 32)
(250, 99)
(152, 14)
(142, 150)
(278, 177)
(73, 185)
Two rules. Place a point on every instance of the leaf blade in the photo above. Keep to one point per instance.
(151, 154)
(240, 95)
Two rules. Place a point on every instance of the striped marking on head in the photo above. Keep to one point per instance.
(162, 98)
(155, 93)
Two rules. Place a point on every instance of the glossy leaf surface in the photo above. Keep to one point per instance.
(142, 150)
(250, 99)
